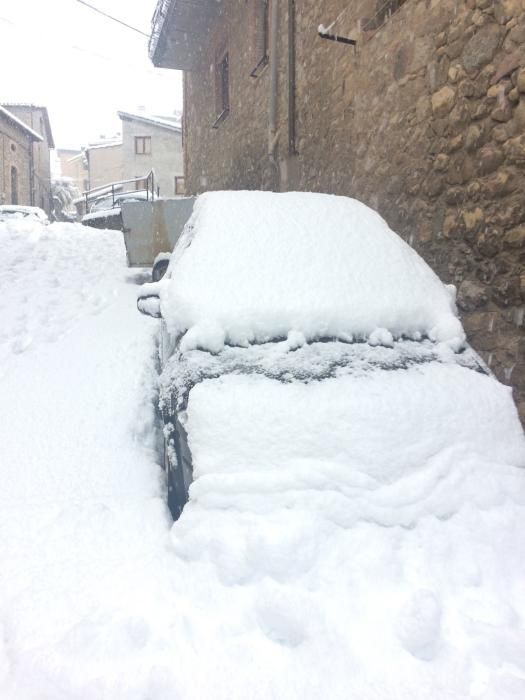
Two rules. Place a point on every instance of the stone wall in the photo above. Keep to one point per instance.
(15, 150)
(34, 117)
(424, 121)
(234, 154)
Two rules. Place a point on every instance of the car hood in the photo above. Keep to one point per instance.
(359, 434)
(374, 514)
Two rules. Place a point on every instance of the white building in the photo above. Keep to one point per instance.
(153, 142)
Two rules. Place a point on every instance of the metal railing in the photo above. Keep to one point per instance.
(157, 24)
(115, 189)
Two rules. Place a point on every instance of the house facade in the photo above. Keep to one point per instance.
(151, 142)
(17, 176)
(105, 163)
(37, 118)
(416, 107)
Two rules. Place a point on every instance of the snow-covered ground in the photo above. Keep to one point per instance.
(358, 537)
(83, 524)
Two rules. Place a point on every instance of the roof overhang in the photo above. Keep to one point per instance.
(99, 146)
(45, 116)
(180, 31)
(158, 122)
(50, 138)
(33, 135)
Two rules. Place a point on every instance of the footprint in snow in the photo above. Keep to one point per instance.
(418, 624)
(279, 621)
(21, 343)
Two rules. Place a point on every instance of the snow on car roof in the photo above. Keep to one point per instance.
(256, 265)
(12, 211)
(18, 207)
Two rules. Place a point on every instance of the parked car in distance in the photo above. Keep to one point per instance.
(105, 211)
(302, 338)
(15, 211)
(109, 202)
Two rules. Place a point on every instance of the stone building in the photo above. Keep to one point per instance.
(37, 117)
(153, 142)
(17, 141)
(423, 119)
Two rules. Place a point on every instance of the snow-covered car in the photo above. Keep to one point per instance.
(9, 212)
(109, 202)
(309, 355)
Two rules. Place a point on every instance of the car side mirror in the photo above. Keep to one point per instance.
(149, 305)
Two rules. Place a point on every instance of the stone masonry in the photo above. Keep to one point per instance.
(36, 117)
(423, 120)
(15, 151)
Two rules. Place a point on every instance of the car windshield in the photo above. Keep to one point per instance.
(102, 204)
(290, 360)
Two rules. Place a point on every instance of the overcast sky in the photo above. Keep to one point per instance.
(82, 66)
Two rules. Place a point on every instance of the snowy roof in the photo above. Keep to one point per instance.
(47, 123)
(20, 124)
(171, 123)
(78, 156)
(262, 264)
(108, 144)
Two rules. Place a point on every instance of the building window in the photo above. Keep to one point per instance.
(13, 147)
(261, 35)
(143, 145)
(222, 88)
(179, 187)
(14, 185)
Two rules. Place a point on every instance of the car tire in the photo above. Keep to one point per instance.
(177, 464)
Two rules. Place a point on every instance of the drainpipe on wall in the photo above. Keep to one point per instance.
(2, 174)
(184, 136)
(291, 78)
(31, 173)
(33, 148)
(273, 135)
